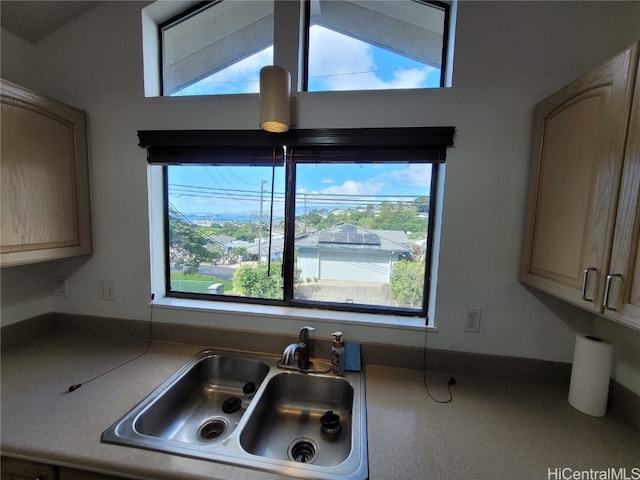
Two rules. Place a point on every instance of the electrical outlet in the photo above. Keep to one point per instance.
(62, 287)
(472, 319)
(106, 290)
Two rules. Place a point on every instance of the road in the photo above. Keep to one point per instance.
(224, 272)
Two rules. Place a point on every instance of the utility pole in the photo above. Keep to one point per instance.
(262, 182)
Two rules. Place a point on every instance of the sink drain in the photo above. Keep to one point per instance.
(303, 450)
(213, 428)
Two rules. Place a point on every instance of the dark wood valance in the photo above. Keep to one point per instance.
(170, 147)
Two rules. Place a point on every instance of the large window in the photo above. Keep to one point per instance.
(218, 47)
(310, 218)
(361, 233)
(224, 226)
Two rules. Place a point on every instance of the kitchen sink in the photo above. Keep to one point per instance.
(204, 404)
(198, 405)
(286, 422)
(309, 425)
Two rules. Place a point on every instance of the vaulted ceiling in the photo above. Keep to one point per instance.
(34, 20)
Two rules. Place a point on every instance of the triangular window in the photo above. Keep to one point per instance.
(375, 45)
(217, 49)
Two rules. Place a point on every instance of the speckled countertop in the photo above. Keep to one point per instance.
(493, 429)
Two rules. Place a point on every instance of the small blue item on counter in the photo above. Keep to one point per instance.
(352, 362)
(338, 355)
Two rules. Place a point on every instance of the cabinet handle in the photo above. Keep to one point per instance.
(585, 279)
(607, 290)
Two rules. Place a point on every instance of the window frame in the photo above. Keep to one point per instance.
(302, 62)
(174, 148)
(184, 15)
(444, 6)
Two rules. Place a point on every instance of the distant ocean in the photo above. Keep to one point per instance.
(227, 217)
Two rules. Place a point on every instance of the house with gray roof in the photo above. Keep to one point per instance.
(347, 252)
(262, 250)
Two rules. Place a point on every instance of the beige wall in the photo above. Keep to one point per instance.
(509, 55)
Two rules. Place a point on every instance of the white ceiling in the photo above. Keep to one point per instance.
(34, 20)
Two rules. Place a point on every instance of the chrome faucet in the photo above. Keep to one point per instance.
(302, 348)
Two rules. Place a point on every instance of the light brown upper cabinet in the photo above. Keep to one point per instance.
(45, 179)
(582, 221)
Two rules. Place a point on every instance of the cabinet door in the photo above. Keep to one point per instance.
(73, 474)
(45, 182)
(12, 469)
(622, 302)
(576, 162)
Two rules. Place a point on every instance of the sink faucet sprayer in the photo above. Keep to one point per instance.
(302, 348)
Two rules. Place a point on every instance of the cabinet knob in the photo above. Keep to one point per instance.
(585, 281)
(607, 290)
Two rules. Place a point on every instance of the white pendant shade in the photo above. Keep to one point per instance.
(275, 89)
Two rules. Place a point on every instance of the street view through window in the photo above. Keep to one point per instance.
(360, 232)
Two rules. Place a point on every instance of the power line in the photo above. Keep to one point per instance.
(239, 179)
(183, 220)
(204, 191)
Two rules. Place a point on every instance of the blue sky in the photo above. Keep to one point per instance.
(237, 189)
(337, 62)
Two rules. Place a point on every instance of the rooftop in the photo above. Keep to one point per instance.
(350, 236)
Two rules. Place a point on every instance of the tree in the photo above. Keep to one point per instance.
(187, 245)
(407, 283)
(252, 280)
(238, 253)
(422, 203)
(184, 260)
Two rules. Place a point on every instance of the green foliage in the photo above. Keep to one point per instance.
(239, 252)
(187, 245)
(247, 231)
(403, 216)
(422, 204)
(407, 283)
(252, 280)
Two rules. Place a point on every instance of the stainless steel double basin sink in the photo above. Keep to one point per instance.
(305, 425)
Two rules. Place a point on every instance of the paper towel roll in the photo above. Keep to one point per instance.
(589, 387)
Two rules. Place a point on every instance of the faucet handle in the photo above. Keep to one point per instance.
(304, 333)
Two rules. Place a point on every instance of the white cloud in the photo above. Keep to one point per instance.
(337, 61)
(247, 70)
(351, 187)
(409, 78)
(413, 174)
(341, 62)
(335, 70)
(241, 77)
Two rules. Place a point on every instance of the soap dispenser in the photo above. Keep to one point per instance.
(338, 356)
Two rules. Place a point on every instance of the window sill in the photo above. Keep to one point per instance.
(290, 313)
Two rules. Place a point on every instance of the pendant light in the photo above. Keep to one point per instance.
(275, 88)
